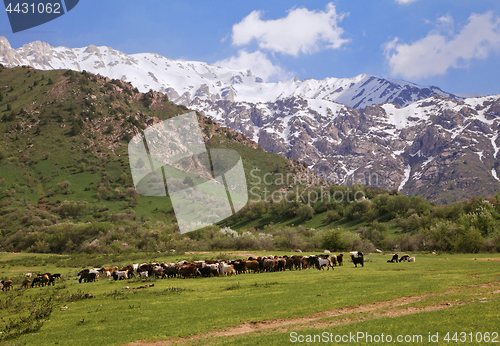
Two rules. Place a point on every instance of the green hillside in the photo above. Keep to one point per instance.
(66, 186)
(64, 163)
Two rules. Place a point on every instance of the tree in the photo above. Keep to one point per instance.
(333, 240)
(123, 178)
(140, 163)
(76, 129)
(188, 181)
(305, 212)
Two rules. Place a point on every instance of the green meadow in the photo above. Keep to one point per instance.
(448, 293)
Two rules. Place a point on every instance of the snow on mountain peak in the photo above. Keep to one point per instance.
(152, 71)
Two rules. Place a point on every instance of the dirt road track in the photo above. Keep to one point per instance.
(391, 308)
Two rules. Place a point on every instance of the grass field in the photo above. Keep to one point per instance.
(436, 294)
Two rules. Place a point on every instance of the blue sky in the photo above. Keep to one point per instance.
(453, 44)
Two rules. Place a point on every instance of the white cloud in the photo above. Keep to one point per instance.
(258, 63)
(442, 49)
(405, 1)
(301, 31)
(446, 24)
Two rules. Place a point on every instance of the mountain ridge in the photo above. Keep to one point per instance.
(419, 140)
(214, 82)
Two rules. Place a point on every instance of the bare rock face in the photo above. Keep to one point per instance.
(445, 151)
(10, 56)
(92, 50)
(4, 45)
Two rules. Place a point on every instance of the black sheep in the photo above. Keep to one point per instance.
(394, 259)
(358, 260)
(404, 258)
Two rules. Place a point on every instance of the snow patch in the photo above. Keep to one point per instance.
(480, 154)
(494, 174)
(407, 177)
(494, 145)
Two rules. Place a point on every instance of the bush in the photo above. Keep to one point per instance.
(73, 208)
(333, 241)
(288, 239)
(331, 216)
(305, 212)
(63, 187)
(468, 241)
(76, 129)
(133, 196)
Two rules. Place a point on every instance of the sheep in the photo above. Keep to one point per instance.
(26, 283)
(6, 285)
(404, 258)
(394, 259)
(333, 260)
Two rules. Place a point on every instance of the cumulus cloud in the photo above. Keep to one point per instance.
(258, 63)
(443, 48)
(301, 31)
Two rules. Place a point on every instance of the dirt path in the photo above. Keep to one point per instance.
(391, 308)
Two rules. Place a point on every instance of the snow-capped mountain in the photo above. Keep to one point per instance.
(371, 130)
(185, 82)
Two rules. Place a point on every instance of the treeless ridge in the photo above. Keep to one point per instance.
(389, 308)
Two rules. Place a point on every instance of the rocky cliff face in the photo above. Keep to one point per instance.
(438, 148)
(381, 132)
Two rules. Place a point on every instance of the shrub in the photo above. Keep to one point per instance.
(63, 187)
(133, 196)
(333, 240)
(288, 239)
(331, 216)
(468, 241)
(73, 208)
(76, 129)
(305, 212)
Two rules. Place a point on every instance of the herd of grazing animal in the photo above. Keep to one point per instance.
(185, 269)
(395, 258)
(209, 268)
(46, 279)
(39, 280)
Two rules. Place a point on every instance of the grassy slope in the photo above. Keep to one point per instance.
(177, 307)
(39, 152)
